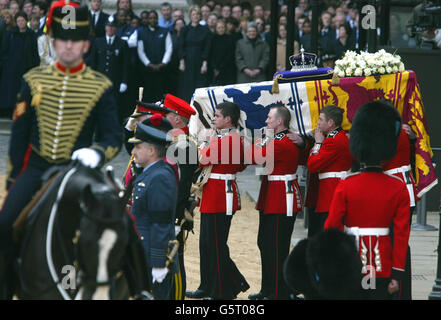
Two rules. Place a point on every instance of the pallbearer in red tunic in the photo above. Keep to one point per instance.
(279, 201)
(330, 158)
(369, 203)
(220, 278)
(400, 166)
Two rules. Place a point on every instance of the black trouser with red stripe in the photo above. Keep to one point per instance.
(273, 240)
(19, 195)
(220, 277)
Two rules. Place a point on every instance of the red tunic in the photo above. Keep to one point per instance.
(225, 153)
(284, 155)
(333, 156)
(402, 159)
(374, 200)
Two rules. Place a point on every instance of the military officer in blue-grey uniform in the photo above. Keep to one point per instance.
(59, 109)
(110, 56)
(154, 205)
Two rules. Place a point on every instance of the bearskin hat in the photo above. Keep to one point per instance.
(326, 266)
(374, 132)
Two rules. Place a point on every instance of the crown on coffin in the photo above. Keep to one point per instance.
(303, 61)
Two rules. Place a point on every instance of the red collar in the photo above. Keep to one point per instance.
(186, 130)
(73, 70)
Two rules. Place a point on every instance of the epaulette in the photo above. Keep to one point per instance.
(334, 132)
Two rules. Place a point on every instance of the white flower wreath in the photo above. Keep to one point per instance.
(367, 64)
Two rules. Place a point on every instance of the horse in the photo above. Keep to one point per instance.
(75, 238)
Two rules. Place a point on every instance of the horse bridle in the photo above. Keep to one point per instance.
(49, 234)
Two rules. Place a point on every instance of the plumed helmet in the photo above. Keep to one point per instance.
(374, 133)
(67, 20)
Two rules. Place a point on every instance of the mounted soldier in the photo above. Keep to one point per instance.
(64, 112)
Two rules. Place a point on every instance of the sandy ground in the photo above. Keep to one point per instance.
(242, 242)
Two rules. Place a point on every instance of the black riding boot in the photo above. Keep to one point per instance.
(7, 277)
(136, 272)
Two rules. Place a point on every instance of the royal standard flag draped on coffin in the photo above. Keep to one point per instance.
(306, 99)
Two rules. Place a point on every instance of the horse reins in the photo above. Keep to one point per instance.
(50, 229)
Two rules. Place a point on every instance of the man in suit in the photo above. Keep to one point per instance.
(154, 206)
(40, 7)
(155, 48)
(98, 18)
(166, 21)
(327, 32)
(109, 55)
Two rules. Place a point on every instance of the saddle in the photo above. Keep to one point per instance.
(22, 220)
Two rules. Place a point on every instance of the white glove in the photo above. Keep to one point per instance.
(131, 124)
(438, 38)
(159, 274)
(87, 156)
(122, 88)
(177, 230)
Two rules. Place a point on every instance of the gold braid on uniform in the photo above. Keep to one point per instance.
(63, 103)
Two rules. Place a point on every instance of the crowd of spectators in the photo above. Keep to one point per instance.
(212, 44)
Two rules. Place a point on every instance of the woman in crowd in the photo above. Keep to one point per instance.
(281, 49)
(194, 48)
(8, 17)
(173, 66)
(243, 25)
(343, 43)
(221, 60)
(18, 54)
(252, 56)
(233, 28)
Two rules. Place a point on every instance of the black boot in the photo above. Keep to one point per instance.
(7, 277)
(197, 294)
(256, 296)
(137, 274)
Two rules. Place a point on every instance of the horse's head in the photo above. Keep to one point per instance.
(102, 238)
